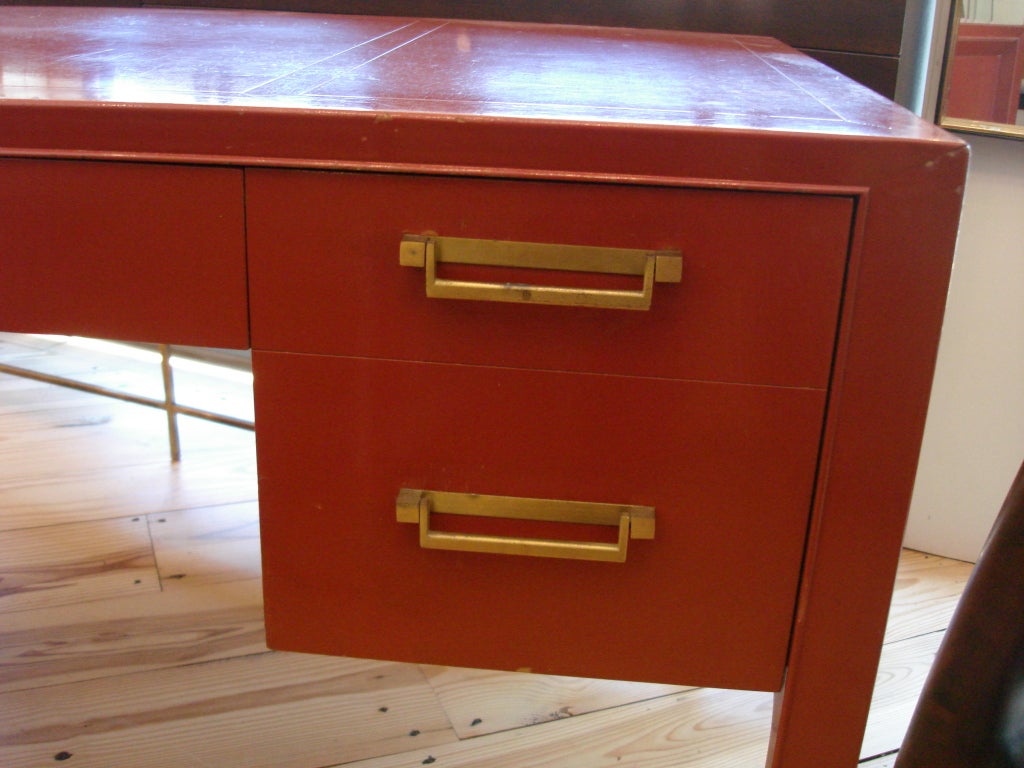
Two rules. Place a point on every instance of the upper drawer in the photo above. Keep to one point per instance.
(124, 251)
(758, 301)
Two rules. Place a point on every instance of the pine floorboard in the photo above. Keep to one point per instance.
(131, 628)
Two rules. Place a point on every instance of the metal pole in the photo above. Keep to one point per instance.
(169, 405)
(82, 386)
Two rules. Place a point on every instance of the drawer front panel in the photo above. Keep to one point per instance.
(758, 299)
(123, 251)
(729, 470)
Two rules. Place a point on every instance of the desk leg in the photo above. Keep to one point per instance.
(821, 712)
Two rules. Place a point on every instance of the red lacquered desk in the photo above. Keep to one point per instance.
(634, 329)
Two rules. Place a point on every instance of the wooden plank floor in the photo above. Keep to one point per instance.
(131, 629)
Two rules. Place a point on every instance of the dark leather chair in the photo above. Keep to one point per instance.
(971, 711)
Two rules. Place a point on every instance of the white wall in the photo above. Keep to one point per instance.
(995, 11)
(974, 437)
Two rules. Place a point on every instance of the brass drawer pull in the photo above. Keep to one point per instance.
(633, 522)
(428, 251)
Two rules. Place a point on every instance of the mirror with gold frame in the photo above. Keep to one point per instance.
(982, 89)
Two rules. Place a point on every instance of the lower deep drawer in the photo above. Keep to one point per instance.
(729, 470)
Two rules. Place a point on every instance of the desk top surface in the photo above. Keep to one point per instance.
(172, 63)
(239, 58)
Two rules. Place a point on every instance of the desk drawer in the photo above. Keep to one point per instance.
(729, 470)
(757, 302)
(123, 251)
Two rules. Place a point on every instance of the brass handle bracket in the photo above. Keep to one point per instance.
(427, 251)
(633, 522)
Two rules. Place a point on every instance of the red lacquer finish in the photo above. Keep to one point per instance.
(336, 90)
(728, 469)
(757, 303)
(123, 251)
(986, 72)
(770, 405)
(884, 363)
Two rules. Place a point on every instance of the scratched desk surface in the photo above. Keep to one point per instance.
(457, 68)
